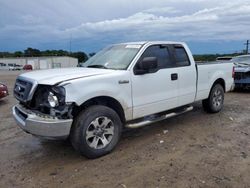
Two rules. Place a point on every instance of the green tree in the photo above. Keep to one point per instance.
(32, 52)
(81, 56)
(18, 54)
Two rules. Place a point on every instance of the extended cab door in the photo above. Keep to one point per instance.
(187, 75)
(156, 90)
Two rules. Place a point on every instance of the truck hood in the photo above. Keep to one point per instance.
(55, 76)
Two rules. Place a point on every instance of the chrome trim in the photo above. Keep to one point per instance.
(48, 127)
(33, 88)
(166, 116)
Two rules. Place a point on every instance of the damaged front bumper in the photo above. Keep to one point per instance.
(44, 126)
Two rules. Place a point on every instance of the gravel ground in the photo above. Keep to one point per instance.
(195, 149)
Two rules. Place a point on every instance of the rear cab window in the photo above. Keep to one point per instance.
(181, 56)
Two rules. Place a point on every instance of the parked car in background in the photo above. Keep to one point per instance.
(242, 71)
(19, 67)
(224, 58)
(27, 67)
(13, 67)
(3, 66)
(3, 90)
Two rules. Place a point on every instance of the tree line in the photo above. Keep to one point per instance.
(32, 52)
(82, 56)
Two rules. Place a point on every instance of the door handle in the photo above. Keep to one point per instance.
(123, 81)
(174, 76)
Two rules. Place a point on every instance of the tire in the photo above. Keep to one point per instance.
(96, 131)
(214, 103)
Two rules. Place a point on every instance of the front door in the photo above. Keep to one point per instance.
(156, 91)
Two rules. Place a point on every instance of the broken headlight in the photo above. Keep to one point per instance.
(53, 100)
(56, 96)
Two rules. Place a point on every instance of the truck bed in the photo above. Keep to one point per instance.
(207, 73)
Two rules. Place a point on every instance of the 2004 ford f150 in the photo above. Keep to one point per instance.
(124, 85)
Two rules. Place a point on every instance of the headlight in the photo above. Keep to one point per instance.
(53, 100)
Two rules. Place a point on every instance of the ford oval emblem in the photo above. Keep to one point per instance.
(18, 88)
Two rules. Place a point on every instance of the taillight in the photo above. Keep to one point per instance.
(233, 72)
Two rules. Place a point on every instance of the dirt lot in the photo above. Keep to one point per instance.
(193, 150)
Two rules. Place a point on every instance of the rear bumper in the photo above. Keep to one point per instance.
(242, 83)
(48, 127)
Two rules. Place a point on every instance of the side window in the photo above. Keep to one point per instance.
(161, 53)
(181, 56)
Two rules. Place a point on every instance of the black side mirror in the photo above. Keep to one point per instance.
(146, 65)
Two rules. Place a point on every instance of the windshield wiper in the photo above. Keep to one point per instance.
(97, 66)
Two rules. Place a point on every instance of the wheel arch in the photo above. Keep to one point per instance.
(101, 100)
(220, 81)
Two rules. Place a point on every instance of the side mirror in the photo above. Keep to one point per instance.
(147, 64)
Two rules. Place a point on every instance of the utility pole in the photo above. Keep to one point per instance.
(70, 41)
(247, 44)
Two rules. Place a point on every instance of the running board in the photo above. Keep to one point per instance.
(160, 118)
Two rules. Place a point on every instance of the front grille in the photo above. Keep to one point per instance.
(22, 90)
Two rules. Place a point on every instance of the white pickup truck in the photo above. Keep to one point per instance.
(124, 85)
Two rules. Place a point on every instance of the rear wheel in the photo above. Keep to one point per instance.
(214, 103)
(96, 131)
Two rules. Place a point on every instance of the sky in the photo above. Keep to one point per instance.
(207, 26)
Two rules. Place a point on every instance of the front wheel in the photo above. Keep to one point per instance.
(96, 131)
(214, 103)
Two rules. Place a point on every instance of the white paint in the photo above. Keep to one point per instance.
(141, 95)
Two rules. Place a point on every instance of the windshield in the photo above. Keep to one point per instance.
(242, 59)
(114, 57)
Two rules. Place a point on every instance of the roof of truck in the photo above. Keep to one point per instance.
(153, 42)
